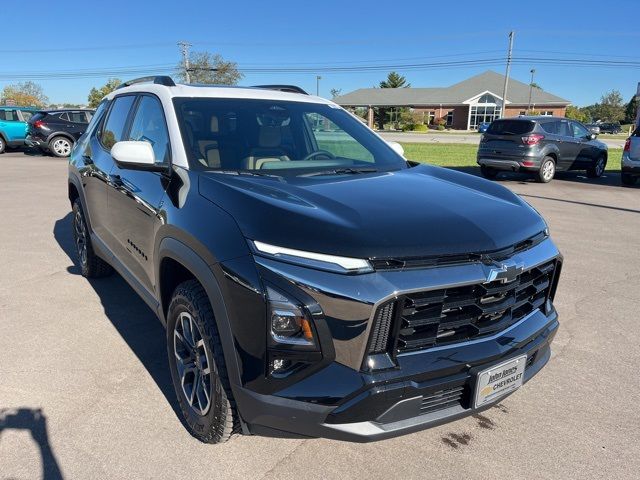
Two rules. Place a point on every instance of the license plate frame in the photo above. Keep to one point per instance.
(499, 380)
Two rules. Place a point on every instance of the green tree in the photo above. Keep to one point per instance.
(630, 110)
(335, 92)
(382, 115)
(210, 69)
(25, 94)
(97, 94)
(610, 108)
(577, 113)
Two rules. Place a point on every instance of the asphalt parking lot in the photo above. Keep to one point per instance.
(85, 389)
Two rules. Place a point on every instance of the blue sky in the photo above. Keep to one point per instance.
(127, 34)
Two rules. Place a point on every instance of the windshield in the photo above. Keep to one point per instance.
(276, 138)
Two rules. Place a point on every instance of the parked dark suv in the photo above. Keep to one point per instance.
(56, 131)
(312, 281)
(541, 145)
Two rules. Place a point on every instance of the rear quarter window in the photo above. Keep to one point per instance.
(510, 127)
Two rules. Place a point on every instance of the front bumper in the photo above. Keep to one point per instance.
(346, 400)
(389, 409)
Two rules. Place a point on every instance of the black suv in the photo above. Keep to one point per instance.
(56, 131)
(312, 281)
(541, 145)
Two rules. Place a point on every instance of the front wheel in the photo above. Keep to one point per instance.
(3, 145)
(488, 172)
(547, 170)
(197, 365)
(60, 146)
(597, 169)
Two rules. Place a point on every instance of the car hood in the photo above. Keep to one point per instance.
(420, 211)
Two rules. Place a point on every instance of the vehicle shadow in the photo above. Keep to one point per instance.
(35, 422)
(134, 321)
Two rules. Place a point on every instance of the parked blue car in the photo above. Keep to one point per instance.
(482, 127)
(13, 125)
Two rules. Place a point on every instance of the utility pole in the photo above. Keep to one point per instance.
(184, 49)
(318, 78)
(506, 76)
(533, 72)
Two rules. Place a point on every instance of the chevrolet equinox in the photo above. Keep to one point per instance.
(312, 282)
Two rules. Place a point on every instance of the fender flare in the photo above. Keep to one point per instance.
(178, 251)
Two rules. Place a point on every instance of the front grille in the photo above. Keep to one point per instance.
(437, 317)
(442, 399)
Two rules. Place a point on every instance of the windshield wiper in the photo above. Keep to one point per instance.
(340, 171)
(243, 172)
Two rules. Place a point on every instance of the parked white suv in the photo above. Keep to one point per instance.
(631, 159)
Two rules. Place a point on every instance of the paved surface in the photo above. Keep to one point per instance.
(470, 138)
(85, 391)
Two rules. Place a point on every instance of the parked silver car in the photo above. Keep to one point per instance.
(631, 159)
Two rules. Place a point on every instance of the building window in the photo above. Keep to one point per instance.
(449, 118)
(485, 110)
(523, 113)
(547, 113)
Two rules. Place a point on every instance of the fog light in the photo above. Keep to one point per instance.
(280, 364)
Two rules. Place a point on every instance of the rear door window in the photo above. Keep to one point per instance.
(510, 127)
(77, 117)
(114, 127)
(9, 115)
(26, 115)
(551, 127)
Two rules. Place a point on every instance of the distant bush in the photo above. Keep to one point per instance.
(415, 127)
(440, 127)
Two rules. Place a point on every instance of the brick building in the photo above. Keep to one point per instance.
(464, 105)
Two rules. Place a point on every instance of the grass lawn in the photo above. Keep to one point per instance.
(463, 155)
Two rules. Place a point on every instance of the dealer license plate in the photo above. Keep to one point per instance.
(499, 380)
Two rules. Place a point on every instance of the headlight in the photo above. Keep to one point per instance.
(321, 261)
(288, 322)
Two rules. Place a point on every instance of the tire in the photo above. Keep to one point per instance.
(60, 146)
(547, 170)
(205, 399)
(3, 145)
(91, 265)
(628, 180)
(597, 169)
(488, 172)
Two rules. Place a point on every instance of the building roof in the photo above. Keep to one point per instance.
(457, 94)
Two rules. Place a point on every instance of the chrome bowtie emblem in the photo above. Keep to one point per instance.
(505, 272)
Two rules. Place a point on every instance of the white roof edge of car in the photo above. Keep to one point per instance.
(215, 91)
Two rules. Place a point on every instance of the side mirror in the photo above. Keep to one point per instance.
(396, 148)
(136, 156)
(594, 130)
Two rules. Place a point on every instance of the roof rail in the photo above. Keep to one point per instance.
(157, 79)
(283, 88)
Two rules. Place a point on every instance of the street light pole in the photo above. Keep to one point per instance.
(318, 78)
(533, 72)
